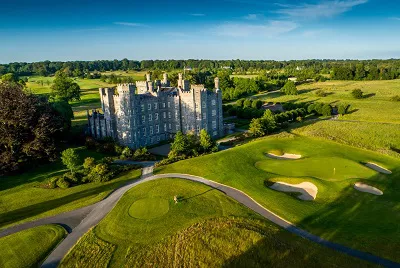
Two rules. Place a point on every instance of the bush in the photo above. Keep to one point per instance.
(256, 104)
(326, 110)
(62, 183)
(321, 93)
(357, 94)
(395, 98)
(89, 163)
(100, 173)
(247, 103)
(343, 108)
(126, 153)
(72, 177)
(239, 102)
(289, 88)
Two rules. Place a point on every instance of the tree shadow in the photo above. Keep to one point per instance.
(352, 111)
(181, 198)
(366, 96)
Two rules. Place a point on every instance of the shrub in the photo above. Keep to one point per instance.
(326, 110)
(240, 102)
(257, 104)
(62, 183)
(89, 163)
(321, 93)
(395, 98)
(343, 108)
(126, 153)
(72, 177)
(100, 173)
(70, 159)
(289, 88)
(247, 103)
(357, 93)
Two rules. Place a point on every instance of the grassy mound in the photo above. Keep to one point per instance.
(149, 208)
(29, 247)
(205, 229)
(340, 213)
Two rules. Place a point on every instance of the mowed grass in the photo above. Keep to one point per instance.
(22, 200)
(30, 247)
(376, 107)
(205, 229)
(339, 213)
(136, 75)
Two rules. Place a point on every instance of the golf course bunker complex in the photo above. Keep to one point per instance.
(285, 156)
(149, 208)
(362, 187)
(378, 168)
(307, 190)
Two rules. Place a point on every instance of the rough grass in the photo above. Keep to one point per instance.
(205, 229)
(340, 213)
(30, 247)
(384, 138)
(22, 200)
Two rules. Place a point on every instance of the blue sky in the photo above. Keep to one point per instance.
(220, 29)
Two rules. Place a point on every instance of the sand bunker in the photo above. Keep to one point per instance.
(378, 168)
(362, 187)
(307, 189)
(284, 156)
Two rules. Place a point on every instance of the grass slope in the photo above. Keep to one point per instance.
(206, 228)
(339, 213)
(30, 247)
(22, 200)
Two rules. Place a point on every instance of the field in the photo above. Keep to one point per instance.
(28, 248)
(205, 228)
(22, 200)
(340, 213)
(137, 75)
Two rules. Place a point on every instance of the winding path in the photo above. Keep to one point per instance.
(102, 208)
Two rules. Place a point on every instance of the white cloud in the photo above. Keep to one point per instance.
(175, 34)
(324, 9)
(131, 24)
(197, 14)
(269, 29)
(252, 16)
(395, 18)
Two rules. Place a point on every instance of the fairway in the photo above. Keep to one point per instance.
(340, 213)
(149, 208)
(325, 168)
(28, 248)
(204, 229)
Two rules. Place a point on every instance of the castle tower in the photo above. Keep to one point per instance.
(180, 80)
(165, 78)
(148, 77)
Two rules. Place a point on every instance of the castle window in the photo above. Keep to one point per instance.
(156, 118)
(212, 102)
(214, 112)
(149, 106)
(169, 114)
(142, 106)
(177, 127)
(157, 129)
(151, 130)
(176, 114)
(163, 104)
(155, 106)
(164, 115)
(204, 116)
(143, 119)
(165, 127)
(169, 126)
(204, 104)
(215, 133)
(198, 129)
(214, 124)
(150, 117)
(198, 116)
(144, 131)
(158, 138)
(169, 104)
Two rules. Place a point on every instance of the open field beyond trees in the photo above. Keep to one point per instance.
(339, 213)
(205, 228)
(29, 248)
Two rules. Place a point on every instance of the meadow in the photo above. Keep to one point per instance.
(339, 213)
(22, 200)
(30, 247)
(205, 228)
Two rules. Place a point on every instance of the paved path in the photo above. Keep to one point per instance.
(104, 207)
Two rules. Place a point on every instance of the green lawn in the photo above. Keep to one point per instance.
(22, 200)
(30, 247)
(339, 213)
(204, 229)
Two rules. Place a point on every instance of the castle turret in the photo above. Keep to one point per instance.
(165, 78)
(216, 81)
(148, 77)
(180, 80)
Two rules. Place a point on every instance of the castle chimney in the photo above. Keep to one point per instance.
(216, 81)
(180, 80)
(148, 77)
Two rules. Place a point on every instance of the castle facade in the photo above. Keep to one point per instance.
(147, 112)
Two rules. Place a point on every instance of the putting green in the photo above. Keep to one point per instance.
(149, 208)
(326, 168)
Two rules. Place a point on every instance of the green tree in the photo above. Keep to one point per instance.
(247, 103)
(206, 142)
(64, 109)
(89, 163)
(357, 93)
(343, 108)
(180, 146)
(239, 102)
(257, 104)
(268, 121)
(70, 159)
(256, 128)
(326, 110)
(10, 77)
(64, 88)
(289, 88)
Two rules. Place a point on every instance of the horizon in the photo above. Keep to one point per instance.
(279, 30)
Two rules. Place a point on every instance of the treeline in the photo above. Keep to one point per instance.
(387, 69)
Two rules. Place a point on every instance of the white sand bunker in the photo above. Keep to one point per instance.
(307, 189)
(284, 156)
(378, 168)
(362, 187)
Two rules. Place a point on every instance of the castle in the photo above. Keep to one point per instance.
(145, 113)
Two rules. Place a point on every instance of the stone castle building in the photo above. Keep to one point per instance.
(148, 112)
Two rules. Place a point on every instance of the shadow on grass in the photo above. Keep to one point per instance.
(366, 96)
(194, 196)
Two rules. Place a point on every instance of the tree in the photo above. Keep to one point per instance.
(180, 146)
(357, 93)
(64, 109)
(343, 108)
(65, 89)
(70, 159)
(256, 128)
(289, 88)
(326, 110)
(247, 103)
(30, 128)
(257, 104)
(268, 121)
(205, 141)
(239, 102)
(89, 163)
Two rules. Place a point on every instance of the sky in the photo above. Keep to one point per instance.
(190, 29)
